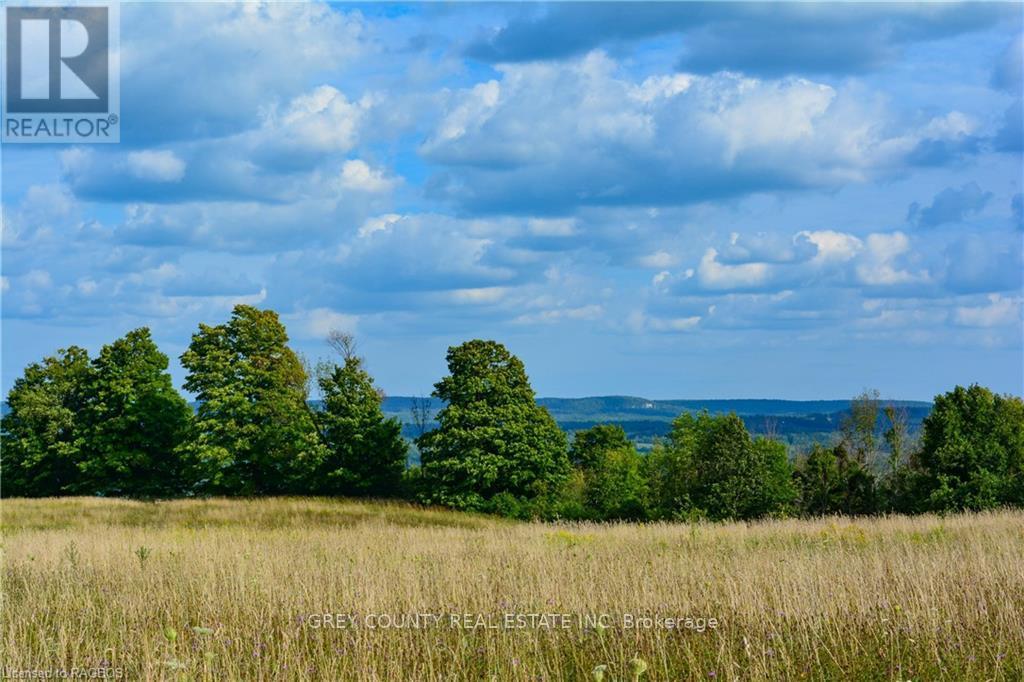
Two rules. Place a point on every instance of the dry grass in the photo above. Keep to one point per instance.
(226, 589)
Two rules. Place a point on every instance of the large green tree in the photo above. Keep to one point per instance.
(492, 437)
(613, 481)
(366, 453)
(133, 423)
(254, 431)
(42, 434)
(972, 451)
(709, 466)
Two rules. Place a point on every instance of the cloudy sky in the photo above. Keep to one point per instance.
(667, 200)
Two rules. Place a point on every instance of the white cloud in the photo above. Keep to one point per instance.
(357, 175)
(584, 131)
(585, 312)
(322, 119)
(832, 246)
(156, 165)
(378, 223)
(551, 227)
(999, 311)
(319, 322)
(639, 322)
(715, 275)
(471, 110)
(878, 267)
(658, 259)
(479, 295)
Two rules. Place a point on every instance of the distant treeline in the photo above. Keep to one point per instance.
(114, 425)
(798, 423)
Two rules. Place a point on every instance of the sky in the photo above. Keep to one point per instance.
(664, 200)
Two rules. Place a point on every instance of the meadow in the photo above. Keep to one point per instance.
(238, 590)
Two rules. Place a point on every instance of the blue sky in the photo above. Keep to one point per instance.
(667, 200)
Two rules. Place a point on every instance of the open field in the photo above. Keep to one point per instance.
(222, 589)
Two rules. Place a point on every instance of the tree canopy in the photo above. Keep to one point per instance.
(42, 432)
(492, 437)
(254, 431)
(710, 466)
(132, 423)
(366, 454)
(972, 450)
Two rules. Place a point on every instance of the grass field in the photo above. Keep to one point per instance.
(236, 590)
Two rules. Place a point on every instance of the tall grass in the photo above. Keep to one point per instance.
(233, 590)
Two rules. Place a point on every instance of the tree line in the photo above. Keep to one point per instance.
(114, 425)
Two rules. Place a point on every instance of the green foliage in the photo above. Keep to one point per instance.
(831, 482)
(254, 431)
(972, 451)
(365, 451)
(41, 434)
(492, 437)
(613, 482)
(133, 422)
(710, 466)
(858, 427)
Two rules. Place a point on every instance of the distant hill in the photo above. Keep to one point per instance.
(796, 421)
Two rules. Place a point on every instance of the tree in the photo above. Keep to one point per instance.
(613, 482)
(589, 444)
(819, 482)
(134, 422)
(896, 436)
(42, 432)
(831, 482)
(421, 413)
(492, 436)
(972, 451)
(254, 431)
(366, 453)
(858, 427)
(710, 466)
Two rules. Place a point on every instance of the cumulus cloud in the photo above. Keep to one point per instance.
(238, 57)
(997, 312)
(880, 265)
(714, 275)
(155, 165)
(553, 137)
(320, 322)
(287, 155)
(359, 176)
(951, 205)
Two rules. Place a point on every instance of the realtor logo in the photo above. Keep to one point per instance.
(60, 74)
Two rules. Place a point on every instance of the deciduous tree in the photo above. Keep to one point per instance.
(42, 432)
(134, 422)
(254, 431)
(492, 437)
(366, 453)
